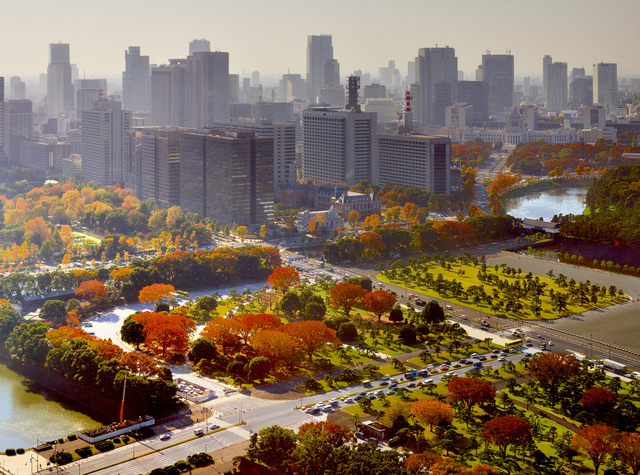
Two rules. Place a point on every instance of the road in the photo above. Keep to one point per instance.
(257, 414)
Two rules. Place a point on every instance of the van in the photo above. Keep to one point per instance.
(198, 432)
(366, 384)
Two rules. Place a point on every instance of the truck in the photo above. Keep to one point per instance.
(614, 365)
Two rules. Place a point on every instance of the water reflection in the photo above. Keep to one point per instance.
(548, 203)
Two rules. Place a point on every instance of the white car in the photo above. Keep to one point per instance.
(165, 436)
(549, 343)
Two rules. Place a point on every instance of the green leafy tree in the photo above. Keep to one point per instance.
(273, 446)
(203, 349)
(54, 311)
(132, 332)
(259, 368)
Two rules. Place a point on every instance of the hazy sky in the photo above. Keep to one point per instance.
(270, 35)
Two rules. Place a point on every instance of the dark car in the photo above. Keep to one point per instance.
(421, 302)
(360, 435)
(464, 361)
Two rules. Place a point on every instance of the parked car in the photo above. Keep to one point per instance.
(360, 435)
(373, 440)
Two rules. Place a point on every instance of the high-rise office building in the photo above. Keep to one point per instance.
(170, 94)
(161, 96)
(292, 86)
(594, 116)
(526, 86)
(437, 84)
(581, 91)
(44, 153)
(459, 115)
(59, 85)
(605, 86)
(234, 88)
(255, 78)
(18, 88)
(557, 88)
(284, 143)
(103, 130)
(132, 156)
(416, 161)
(160, 166)
(498, 73)
(209, 87)
(411, 72)
(19, 126)
(3, 133)
(319, 50)
(136, 81)
(227, 177)
(199, 46)
(476, 94)
(529, 115)
(339, 146)
(374, 91)
(546, 61)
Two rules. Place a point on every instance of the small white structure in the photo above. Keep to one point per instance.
(98, 435)
(332, 222)
(541, 226)
(192, 392)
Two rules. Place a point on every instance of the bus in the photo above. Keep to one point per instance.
(514, 343)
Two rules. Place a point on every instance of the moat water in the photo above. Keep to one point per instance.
(548, 203)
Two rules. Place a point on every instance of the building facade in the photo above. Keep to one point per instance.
(437, 84)
(160, 166)
(136, 81)
(557, 88)
(209, 87)
(415, 160)
(227, 177)
(339, 146)
(19, 126)
(476, 94)
(498, 73)
(319, 51)
(605, 86)
(59, 82)
(459, 115)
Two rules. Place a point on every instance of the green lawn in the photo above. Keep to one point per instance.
(467, 275)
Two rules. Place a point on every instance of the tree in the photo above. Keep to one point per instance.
(156, 293)
(278, 346)
(599, 399)
(407, 335)
(379, 302)
(595, 442)
(174, 214)
(353, 218)
(432, 313)
(223, 331)
(396, 315)
(290, 304)
(9, 319)
(507, 430)
(311, 336)
(432, 412)
(202, 349)
(242, 232)
(166, 332)
(335, 434)
(627, 448)
(140, 364)
(252, 323)
(345, 296)
(552, 369)
(259, 368)
(54, 311)
(471, 391)
(283, 278)
(347, 331)
(274, 447)
(132, 332)
(93, 291)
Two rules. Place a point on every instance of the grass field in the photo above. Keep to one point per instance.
(467, 276)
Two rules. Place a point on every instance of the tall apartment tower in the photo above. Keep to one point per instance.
(605, 86)
(136, 81)
(59, 84)
(319, 50)
(546, 61)
(199, 46)
(416, 161)
(227, 177)
(339, 146)
(103, 130)
(557, 88)
(437, 81)
(209, 87)
(498, 73)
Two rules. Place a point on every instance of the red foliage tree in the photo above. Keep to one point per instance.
(552, 369)
(156, 293)
(379, 302)
(283, 278)
(277, 346)
(345, 296)
(335, 434)
(599, 399)
(64, 334)
(224, 331)
(507, 430)
(471, 391)
(311, 335)
(595, 442)
(93, 291)
(252, 323)
(164, 332)
(432, 412)
(627, 448)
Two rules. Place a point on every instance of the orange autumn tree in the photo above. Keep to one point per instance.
(165, 332)
(156, 293)
(64, 334)
(627, 448)
(283, 278)
(139, 364)
(107, 349)
(432, 412)
(471, 391)
(345, 296)
(595, 442)
(121, 275)
(93, 291)
(379, 302)
(507, 430)
(223, 331)
(310, 336)
(5, 303)
(277, 346)
(328, 431)
(252, 323)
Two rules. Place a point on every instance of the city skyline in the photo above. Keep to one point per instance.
(254, 45)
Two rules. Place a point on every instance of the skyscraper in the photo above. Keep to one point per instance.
(605, 86)
(546, 61)
(437, 80)
(136, 81)
(19, 126)
(227, 177)
(199, 46)
(476, 94)
(2, 125)
(161, 96)
(59, 84)
(339, 146)
(498, 72)
(319, 50)
(209, 87)
(160, 166)
(557, 89)
(581, 91)
(103, 130)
